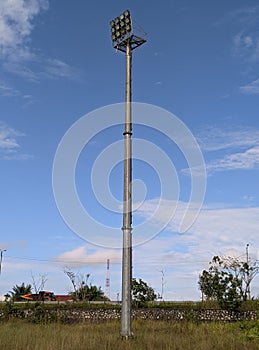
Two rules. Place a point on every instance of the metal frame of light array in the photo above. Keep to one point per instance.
(121, 27)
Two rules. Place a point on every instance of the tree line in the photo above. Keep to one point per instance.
(84, 290)
(227, 281)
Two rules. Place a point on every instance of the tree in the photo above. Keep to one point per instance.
(228, 281)
(72, 277)
(17, 291)
(142, 292)
(39, 282)
(248, 270)
(83, 290)
(89, 293)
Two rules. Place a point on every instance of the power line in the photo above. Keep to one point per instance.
(144, 261)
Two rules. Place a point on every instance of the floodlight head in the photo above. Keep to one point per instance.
(121, 27)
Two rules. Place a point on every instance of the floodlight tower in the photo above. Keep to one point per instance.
(124, 40)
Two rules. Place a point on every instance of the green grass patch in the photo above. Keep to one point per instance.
(148, 335)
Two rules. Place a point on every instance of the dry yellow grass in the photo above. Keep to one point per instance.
(148, 335)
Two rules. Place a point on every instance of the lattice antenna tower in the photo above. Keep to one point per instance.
(107, 280)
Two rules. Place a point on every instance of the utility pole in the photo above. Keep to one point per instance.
(1, 258)
(124, 40)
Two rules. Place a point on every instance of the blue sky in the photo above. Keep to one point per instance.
(200, 63)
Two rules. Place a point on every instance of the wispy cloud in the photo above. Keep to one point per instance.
(238, 149)
(8, 91)
(8, 137)
(215, 139)
(246, 41)
(246, 160)
(9, 146)
(216, 230)
(17, 18)
(242, 41)
(240, 16)
(58, 69)
(251, 52)
(251, 88)
(246, 45)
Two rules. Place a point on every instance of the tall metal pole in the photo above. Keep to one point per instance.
(1, 258)
(127, 205)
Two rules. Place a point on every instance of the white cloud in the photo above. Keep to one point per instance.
(22, 70)
(245, 42)
(9, 147)
(213, 223)
(8, 137)
(81, 257)
(17, 18)
(58, 69)
(217, 231)
(247, 14)
(8, 91)
(242, 160)
(240, 145)
(247, 46)
(242, 41)
(215, 139)
(251, 88)
(16, 24)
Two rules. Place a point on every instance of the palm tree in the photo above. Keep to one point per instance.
(17, 291)
(89, 293)
(96, 293)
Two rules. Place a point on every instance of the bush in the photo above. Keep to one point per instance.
(251, 329)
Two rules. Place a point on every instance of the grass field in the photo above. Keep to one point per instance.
(148, 335)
